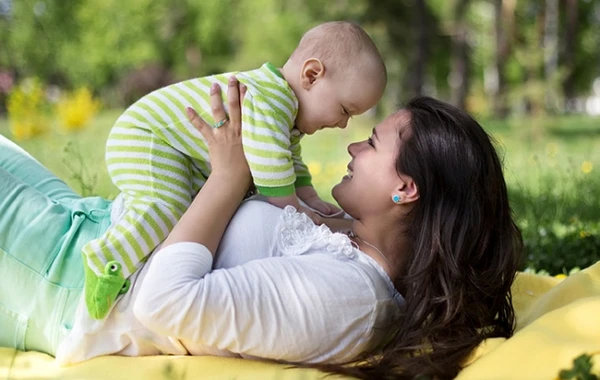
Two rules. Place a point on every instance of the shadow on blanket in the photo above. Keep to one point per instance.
(557, 320)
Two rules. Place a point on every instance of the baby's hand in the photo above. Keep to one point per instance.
(325, 209)
(316, 218)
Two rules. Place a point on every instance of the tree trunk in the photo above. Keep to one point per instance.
(550, 43)
(416, 76)
(503, 26)
(499, 101)
(459, 76)
(569, 54)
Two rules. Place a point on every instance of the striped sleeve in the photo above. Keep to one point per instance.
(266, 139)
(303, 177)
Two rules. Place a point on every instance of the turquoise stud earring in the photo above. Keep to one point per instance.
(396, 199)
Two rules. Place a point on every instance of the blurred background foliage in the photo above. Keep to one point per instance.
(528, 69)
(493, 57)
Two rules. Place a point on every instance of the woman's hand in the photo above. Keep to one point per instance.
(225, 142)
(205, 220)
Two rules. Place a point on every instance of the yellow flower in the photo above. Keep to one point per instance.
(76, 109)
(534, 159)
(561, 276)
(27, 109)
(586, 167)
(26, 129)
(314, 168)
(583, 234)
(551, 149)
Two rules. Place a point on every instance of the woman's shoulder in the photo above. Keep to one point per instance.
(333, 253)
(260, 230)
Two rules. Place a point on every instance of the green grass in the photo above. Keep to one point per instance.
(49, 149)
(552, 167)
(547, 162)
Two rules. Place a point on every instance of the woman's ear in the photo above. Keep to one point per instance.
(406, 192)
(312, 69)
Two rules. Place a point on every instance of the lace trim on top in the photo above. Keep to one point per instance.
(297, 234)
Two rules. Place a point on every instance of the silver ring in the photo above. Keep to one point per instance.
(220, 123)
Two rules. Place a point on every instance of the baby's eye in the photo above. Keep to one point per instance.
(370, 141)
(345, 111)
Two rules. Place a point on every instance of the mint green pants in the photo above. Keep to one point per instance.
(43, 225)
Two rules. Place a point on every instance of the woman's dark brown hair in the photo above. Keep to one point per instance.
(465, 249)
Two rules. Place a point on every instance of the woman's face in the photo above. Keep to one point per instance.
(372, 179)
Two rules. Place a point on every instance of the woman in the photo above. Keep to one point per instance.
(431, 222)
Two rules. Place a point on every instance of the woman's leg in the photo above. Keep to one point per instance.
(16, 161)
(41, 269)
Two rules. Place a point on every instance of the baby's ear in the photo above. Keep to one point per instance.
(312, 69)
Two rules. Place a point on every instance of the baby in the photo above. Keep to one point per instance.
(159, 161)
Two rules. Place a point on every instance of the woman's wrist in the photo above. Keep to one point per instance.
(239, 177)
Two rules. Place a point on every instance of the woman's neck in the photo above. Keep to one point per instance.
(386, 248)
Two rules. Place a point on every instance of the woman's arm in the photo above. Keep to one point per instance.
(206, 219)
(313, 308)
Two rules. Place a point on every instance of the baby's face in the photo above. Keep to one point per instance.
(331, 101)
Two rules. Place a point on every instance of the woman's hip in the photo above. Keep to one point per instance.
(35, 313)
(43, 225)
(41, 270)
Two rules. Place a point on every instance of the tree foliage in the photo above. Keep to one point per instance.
(457, 50)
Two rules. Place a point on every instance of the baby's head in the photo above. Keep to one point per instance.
(336, 72)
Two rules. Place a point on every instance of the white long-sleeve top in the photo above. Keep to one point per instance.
(280, 288)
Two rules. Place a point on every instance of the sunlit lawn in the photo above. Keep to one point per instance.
(563, 148)
(49, 149)
(551, 165)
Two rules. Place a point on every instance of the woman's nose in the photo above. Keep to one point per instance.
(353, 149)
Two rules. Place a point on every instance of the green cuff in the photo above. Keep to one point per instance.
(303, 181)
(281, 191)
(274, 69)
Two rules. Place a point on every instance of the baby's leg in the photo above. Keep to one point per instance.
(157, 187)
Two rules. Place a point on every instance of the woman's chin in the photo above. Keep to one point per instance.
(336, 192)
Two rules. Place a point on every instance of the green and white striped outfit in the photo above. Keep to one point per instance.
(160, 161)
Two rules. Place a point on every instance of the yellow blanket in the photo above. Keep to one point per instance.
(557, 320)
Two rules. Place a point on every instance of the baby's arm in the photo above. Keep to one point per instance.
(266, 140)
(292, 200)
(304, 189)
(309, 195)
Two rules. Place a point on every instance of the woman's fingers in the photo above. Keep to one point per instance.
(243, 89)
(235, 95)
(199, 124)
(233, 102)
(216, 105)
